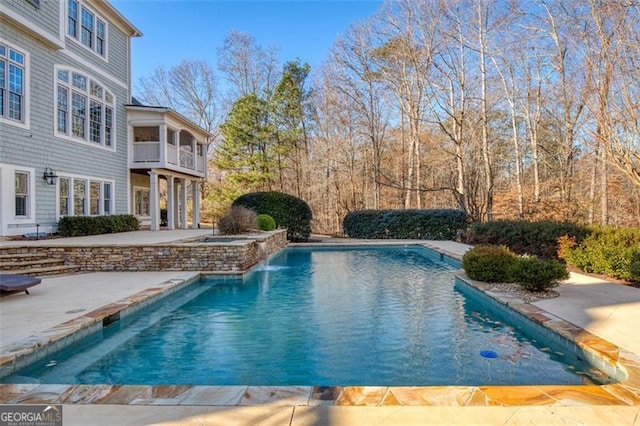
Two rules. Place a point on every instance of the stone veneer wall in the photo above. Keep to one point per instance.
(236, 256)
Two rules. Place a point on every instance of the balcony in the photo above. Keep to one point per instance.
(179, 152)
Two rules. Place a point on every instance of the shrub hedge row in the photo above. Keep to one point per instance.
(498, 264)
(77, 226)
(534, 238)
(437, 224)
(606, 250)
(288, 211)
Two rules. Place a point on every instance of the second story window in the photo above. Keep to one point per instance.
(86, 27)
(12, 84)
(84, 108)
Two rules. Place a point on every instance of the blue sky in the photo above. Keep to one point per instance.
(174, 30)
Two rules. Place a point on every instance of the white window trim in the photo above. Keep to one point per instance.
(31, 200)
(87, 194)
(26, 121)
(69, 136)
(78, 41)
(141, 188)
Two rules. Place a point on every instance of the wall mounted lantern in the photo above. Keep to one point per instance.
(50, 176)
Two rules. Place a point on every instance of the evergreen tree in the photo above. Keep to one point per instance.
(246, 149)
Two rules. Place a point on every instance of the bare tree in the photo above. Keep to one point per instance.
(190, 88)
(357, 78)
(247, 66)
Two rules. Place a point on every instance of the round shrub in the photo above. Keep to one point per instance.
(238, 220)
(266, 222)
(288, 211)
(533, 274)
(488, 263)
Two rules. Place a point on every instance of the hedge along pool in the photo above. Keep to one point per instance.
(321, 316)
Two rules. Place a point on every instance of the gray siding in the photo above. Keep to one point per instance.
(38, 147)
(47, 15)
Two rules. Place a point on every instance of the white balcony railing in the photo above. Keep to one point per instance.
(176, 158)
(146, 152)
(172, 154)
(200, 164)
(186, 159)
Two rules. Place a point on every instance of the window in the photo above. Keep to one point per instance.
(106, 198)
(64, 205)
(86, 27)
(12, 83)
(72, 21)
(79, 196)
(101, 33)
(141, 201)
(89, 106)
(94, 198)
(22, 194)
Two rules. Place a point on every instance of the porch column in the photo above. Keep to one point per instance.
(171, 200)
(154, 197)
(195, 204)
(183, 203)
(176, 205)
(162, 131)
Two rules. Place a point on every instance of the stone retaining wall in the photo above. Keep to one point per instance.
(235, 256)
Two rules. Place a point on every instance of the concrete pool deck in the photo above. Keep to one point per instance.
(605, 309)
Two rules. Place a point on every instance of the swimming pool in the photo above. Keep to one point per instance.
(357, 316)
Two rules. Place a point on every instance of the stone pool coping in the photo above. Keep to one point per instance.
(623, 362)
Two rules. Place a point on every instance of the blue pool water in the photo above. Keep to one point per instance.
(370, 316)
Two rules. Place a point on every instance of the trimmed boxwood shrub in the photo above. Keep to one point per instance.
(499, 264)
(534, 238)
(607, 250)
(288, 211)
(437, 224)
(77, 226)
(266, 222)
(488, 263)
(537, 275)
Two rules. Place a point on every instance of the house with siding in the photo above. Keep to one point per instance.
(72, 140)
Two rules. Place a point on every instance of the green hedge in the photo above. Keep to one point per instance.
(607, 250)
(437, 224)
(534, 238)
(499, 264)
(288, 211)
(77, 226)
